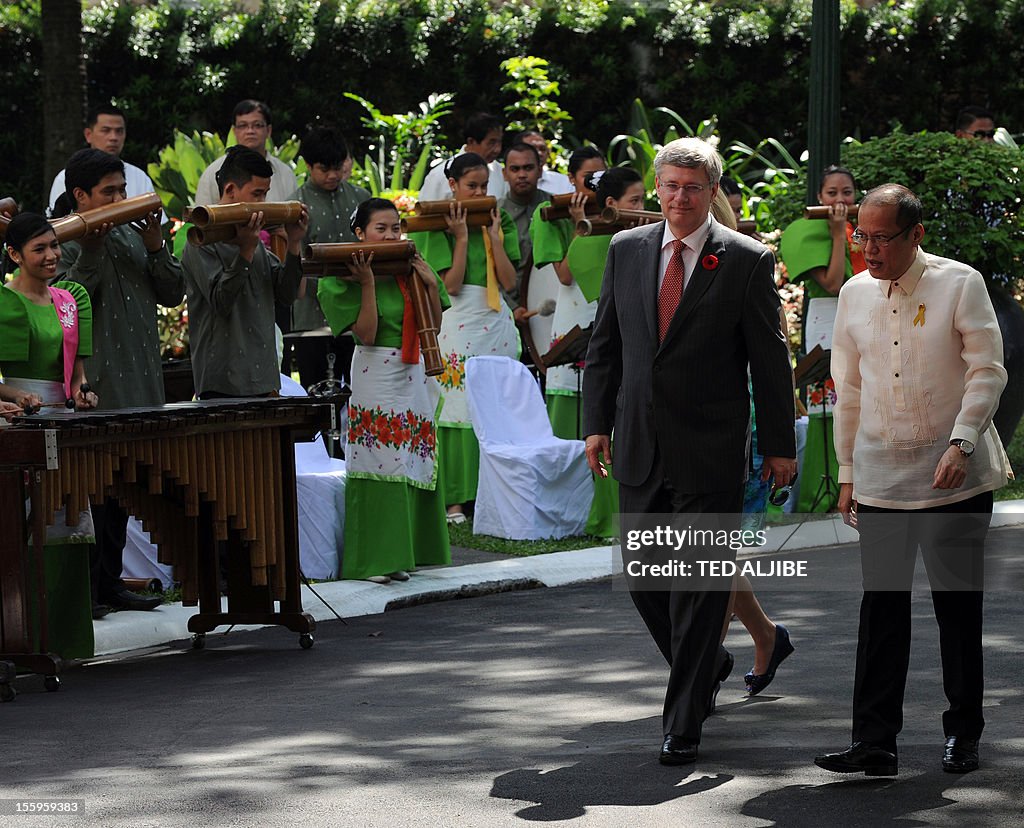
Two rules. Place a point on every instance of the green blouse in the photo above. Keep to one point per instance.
(806, 245)
(551, 239)
(587, 257)
(436, 247)
(31, 336)
(340, 300)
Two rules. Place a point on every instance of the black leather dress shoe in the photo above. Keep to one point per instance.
(128, 600)
(723, 674)
(99, 610)
(677, 751)
(860, 757)
(960, 755)
(783, 649)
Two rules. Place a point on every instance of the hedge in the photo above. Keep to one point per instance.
(171, 64)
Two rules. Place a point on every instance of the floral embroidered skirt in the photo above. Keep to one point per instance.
(394, 512)
(469, 328)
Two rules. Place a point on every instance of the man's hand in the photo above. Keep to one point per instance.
(296, 232)
(149, 228)
(847, 505)
(783, 469)
(951, 471)
(247, 236)
(599, 452)
(93, 240)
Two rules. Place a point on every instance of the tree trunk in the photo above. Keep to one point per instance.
(63, 84)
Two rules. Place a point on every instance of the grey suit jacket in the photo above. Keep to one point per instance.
(687, 398)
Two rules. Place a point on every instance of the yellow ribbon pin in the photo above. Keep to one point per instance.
(919, 319)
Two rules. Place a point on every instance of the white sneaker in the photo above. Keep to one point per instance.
(379, 579)
(456, 517)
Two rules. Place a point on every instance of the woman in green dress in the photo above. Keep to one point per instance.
(45, 331)
(473, 263)
(822, 255)
(394, 510)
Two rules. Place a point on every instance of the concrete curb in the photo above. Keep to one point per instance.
(125, 631)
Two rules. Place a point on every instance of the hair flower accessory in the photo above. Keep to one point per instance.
(709, 262)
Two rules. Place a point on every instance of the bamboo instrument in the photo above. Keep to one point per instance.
(432, 215)
(209, 235)
(612, 220)
(559, 208)
(746, 226)
(389, 259)
(8, 210)
(76, 225)
(274, 213)
(821, 212)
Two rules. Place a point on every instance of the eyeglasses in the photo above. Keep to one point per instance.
(984, 133)
(779, 496)
(863, 239)
(690, 190)
(254, 125)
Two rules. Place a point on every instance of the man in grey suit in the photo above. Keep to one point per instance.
(686, 305)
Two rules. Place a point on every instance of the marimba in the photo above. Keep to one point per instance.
(195, 474)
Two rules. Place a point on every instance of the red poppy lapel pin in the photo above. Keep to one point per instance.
(709, 262)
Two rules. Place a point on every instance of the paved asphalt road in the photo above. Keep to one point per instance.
(540, 706)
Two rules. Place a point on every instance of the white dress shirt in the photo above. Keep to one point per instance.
(282, 183)
(435, 185)
(917, 362)
(555, 183)
(136, 183)
(691, 252)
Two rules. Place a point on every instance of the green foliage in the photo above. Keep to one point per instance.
(535, 106)
(970, 191)
(173, 64)
(404, 143)
(176, 174)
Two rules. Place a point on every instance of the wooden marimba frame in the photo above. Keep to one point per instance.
(195, 474)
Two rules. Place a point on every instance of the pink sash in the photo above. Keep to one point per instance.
(67, 313)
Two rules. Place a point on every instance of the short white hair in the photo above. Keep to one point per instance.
(693, 153)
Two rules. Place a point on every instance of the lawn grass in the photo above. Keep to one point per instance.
(1014, 490)
(461, 534)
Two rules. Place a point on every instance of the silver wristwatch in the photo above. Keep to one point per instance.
(966, 446)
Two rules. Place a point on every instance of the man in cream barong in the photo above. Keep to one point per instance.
(918, 363)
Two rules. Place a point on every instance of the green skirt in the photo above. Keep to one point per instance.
(603, 520)
(812, 469)
(391, 526)
(458, 456)
(68, 600)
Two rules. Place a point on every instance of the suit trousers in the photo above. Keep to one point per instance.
(952, 542)
(106, 557)
(686, 624)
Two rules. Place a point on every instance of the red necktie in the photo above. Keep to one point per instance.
(671, 289)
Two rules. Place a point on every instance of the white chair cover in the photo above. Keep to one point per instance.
(139, 559)
(320, 487)
(532, 484)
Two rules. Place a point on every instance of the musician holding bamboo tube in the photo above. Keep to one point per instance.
(331, 202)
(394, 503)
(620, 188)
(232, 287)
(128, 271)
(45, 334)
(822, 255)
(473, 263)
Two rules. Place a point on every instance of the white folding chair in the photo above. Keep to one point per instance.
(532, 484)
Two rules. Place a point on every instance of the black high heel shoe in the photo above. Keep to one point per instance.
(782, 649)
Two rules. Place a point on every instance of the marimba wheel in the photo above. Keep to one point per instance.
(51, 683)
(306, 641)
(7, 693)
(198, 641)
